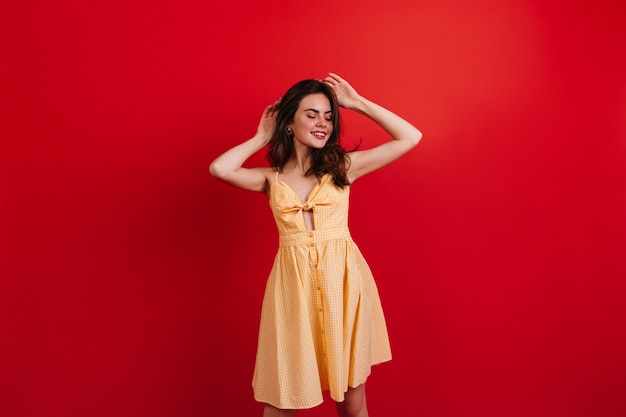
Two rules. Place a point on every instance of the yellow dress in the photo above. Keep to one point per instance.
(322, 324)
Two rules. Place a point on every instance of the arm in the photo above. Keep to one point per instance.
(405, 135)
(228, 166)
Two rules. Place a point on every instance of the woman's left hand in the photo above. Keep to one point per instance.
(346, 94)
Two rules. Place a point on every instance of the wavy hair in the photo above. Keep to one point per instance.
(332, 158)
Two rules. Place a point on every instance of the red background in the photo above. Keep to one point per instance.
(132, 281)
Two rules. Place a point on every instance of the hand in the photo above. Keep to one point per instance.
(346, 94)
(268, 122)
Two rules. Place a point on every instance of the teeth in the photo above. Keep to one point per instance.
(319, 135)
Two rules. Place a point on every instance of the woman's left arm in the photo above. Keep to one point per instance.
(405, 135)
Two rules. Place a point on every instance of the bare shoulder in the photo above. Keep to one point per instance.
(269, 173)
(353, 164)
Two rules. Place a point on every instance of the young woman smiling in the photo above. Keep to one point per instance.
(322, 324)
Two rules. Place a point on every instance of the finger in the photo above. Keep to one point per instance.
(276, 103)
(330, 82)
(335, 77)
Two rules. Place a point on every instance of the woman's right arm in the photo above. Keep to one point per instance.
(228, 166)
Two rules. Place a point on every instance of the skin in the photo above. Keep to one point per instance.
(312, 123)
(312, 116)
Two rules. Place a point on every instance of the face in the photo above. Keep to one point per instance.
(313, 122)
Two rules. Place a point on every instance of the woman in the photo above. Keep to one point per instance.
(322, 325)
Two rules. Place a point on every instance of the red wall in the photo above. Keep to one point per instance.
(131, 280)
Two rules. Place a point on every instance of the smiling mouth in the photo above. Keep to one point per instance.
(319, 135)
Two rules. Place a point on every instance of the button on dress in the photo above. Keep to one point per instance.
(322, 324)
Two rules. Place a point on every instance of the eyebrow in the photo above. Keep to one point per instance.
(317, 111)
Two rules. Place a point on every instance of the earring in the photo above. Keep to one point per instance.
(289, 131)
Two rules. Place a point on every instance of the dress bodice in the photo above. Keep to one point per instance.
(328, 202)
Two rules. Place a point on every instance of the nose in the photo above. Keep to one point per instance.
(321, 122)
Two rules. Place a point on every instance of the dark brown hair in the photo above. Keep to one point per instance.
(332, 158)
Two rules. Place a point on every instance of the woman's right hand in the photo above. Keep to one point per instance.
(229, 168)
(268, 122)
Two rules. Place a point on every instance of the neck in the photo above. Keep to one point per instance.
(301, 159)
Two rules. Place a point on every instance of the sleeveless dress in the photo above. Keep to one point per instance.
(322, 324)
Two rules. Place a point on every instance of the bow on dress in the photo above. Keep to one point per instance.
(308, 205)
(316, 198)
